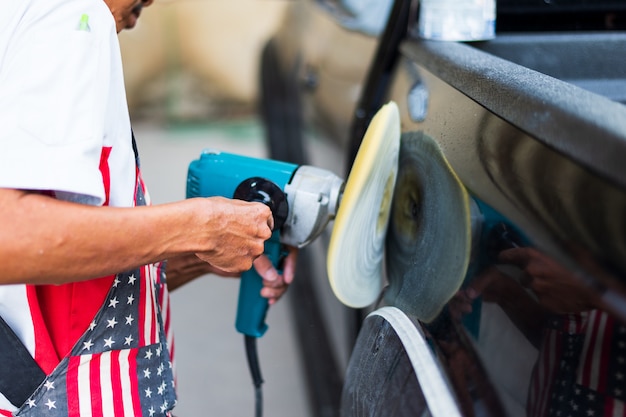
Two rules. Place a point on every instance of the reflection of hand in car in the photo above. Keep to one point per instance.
(495, 286)
(556, 288)
(567, 324)
(553, 289)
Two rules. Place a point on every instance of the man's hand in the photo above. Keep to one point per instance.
(235, 233)
(186, 268)
(556, 288)
(274, 284)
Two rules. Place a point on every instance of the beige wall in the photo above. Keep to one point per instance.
(187, 59)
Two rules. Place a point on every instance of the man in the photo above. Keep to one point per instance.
(74, 207)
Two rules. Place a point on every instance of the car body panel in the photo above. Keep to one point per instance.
(535, 128)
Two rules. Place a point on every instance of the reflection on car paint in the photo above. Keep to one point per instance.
(536, 329)
(580, 359)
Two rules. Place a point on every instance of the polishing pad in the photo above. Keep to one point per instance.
(429, 238)
(355, 252)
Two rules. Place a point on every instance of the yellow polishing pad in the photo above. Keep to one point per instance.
(355, 252)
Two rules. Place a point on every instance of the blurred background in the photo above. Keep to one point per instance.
(191, 69)
(197, 60)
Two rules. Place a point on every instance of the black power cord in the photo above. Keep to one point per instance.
(255, 372)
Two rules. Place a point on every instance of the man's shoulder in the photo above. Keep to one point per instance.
(59, 14)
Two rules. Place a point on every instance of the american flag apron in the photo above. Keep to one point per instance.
(122, 365)
(581, 370)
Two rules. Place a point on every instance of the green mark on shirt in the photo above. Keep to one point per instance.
(84, 23)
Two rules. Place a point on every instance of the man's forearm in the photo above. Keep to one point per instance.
(44, 240)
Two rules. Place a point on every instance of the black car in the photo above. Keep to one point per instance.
(532, 124)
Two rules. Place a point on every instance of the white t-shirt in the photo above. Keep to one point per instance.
(62, 101)
(64, 123)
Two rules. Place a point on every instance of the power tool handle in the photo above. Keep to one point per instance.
(252, 307)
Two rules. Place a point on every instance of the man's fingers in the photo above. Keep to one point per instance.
(517, 256)
(267, 218)
(274, 284)
(289, 268)
(273, 293)
(266, 270)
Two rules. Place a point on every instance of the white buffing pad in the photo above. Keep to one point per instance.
(356, 249)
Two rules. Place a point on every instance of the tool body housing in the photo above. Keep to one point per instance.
(303, 200)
